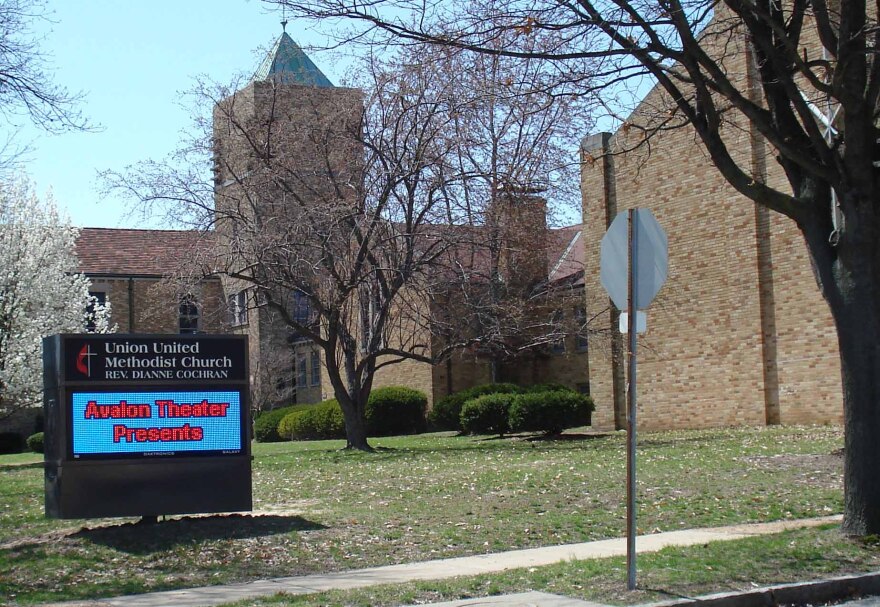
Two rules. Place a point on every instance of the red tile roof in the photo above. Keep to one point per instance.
(565, 251)
(135, 252)
(128, 252)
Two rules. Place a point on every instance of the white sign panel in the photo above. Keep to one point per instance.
(651, 259)
(641, 322)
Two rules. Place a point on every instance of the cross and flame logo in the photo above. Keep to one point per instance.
(84, 360)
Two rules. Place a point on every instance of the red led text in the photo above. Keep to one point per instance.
(123, 409)
(168, 408)
(122, 433)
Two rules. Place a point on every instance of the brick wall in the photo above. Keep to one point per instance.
(151, 305)
(739, 335)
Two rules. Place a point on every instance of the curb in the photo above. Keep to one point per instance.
(802, 593)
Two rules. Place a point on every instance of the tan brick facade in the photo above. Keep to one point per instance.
(740, 334)
(144, 305)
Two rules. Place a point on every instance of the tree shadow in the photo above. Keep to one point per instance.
(569, 436)
(144, 538)
(674, 442)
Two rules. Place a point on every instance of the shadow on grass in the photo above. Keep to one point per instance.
(676, 441)
(468, 443)
(141, 538)
(569, 436)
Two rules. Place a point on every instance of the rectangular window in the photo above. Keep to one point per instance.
(370, 303)
(316, 368)
(557, 346)
(188, 316)
(302, 375)
(238, 308)
(301, 313)
(581, 342)
(302, 309)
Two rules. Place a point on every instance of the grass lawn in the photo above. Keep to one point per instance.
(672, 573)
(420, 498)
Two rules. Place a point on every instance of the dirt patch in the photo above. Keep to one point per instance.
(139, 537)
(812, 467)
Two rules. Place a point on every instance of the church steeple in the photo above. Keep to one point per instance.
(286, 63)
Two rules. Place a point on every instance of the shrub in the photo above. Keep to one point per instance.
(266, 425)
(35, 442)
(487, 414)
(318, 422)
(549, 387)
(446, 412)
(396, 410)
(550, 412)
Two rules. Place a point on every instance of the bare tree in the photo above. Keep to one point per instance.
(358, 217)
(26, 86)
(802, 75)
(513, 139)
(333, 211)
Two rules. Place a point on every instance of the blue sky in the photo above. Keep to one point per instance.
(132, 60)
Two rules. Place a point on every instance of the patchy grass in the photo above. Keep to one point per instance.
(420, 498)
(738, 565)
(19, 459)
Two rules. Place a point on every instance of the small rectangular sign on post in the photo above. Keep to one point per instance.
(146, 425)
(641, 322)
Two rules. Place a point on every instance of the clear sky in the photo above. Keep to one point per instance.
(132, 60)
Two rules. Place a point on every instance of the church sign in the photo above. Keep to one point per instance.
(140, 425)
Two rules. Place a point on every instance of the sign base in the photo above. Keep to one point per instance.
(148, 488)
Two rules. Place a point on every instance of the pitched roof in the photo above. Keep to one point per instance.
(286, 63)
(129, 252)
(565, 251)
(135, 252)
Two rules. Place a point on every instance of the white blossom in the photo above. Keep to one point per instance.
(41, 292)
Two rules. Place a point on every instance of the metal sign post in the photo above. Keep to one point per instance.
(633, 269)
(631, 410)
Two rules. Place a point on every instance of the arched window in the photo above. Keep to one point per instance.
(188, 316)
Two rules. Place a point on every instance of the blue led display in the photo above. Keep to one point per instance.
(156, 423)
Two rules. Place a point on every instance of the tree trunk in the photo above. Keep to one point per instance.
(860, 366)
(850, 281)
(858, 329)
(355, 426)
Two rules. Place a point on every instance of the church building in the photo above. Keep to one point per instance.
(739, 335)
(129, 268)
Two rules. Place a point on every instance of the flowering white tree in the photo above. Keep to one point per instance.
(40, 292)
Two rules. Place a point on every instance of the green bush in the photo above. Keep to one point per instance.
(446, 412)
(548, 387)
(35, 442)
(550, 412)
(487, 414)
(318, 422)
(396, 410)
(266, 425)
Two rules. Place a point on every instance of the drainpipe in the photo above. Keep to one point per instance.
(131, 305)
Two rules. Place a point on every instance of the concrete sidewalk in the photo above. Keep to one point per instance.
(448, 568)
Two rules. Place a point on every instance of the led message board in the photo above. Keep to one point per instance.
(166, 423)
(146, 425)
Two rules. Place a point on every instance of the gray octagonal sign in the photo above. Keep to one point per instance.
(651, 259)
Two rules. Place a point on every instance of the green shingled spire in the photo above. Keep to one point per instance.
(286, 63)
